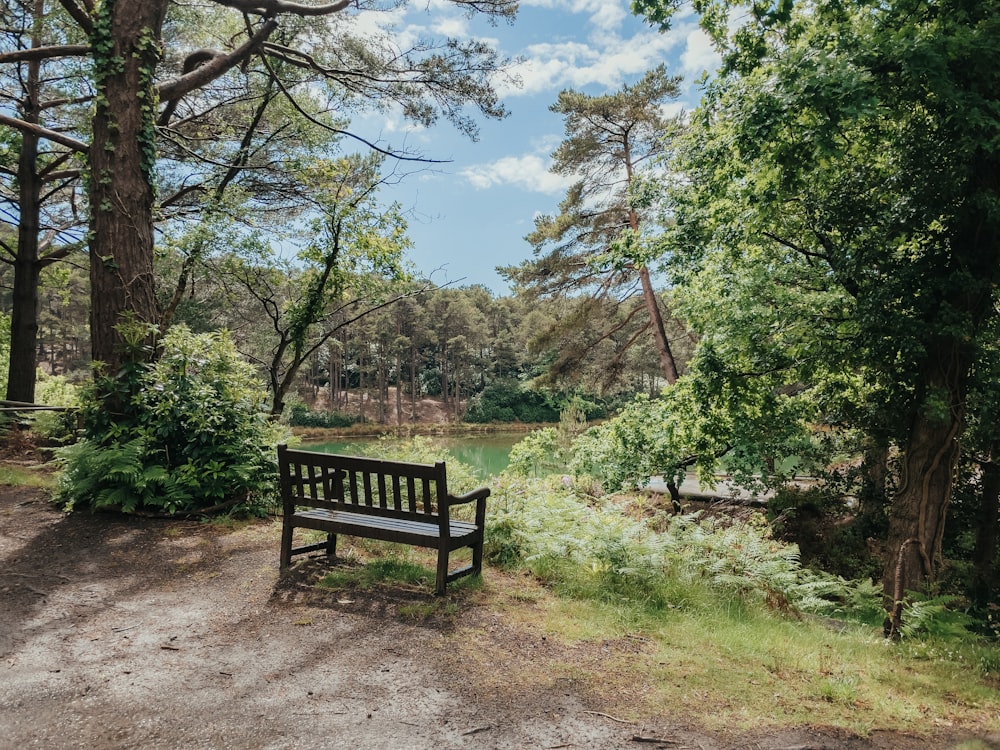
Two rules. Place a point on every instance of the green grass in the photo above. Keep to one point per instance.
(755, 667)
(14, 475)
(378, 572)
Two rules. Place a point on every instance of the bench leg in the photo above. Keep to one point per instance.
(442, 572)
(477, 558)
(331, 545)
(286, 545)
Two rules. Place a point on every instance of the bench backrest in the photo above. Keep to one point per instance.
(363, 485)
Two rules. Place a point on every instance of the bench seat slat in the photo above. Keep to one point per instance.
(347, 520)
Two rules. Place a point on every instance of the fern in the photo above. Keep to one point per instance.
(589, 547)
(195, 436)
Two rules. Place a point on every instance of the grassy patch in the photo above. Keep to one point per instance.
(740, 666)
(383, 570)
(15, 475)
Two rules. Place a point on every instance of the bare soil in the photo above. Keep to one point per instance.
(125, 632)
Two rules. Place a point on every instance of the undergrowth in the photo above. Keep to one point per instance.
(588, 548)
(191, 436)
(732, 618)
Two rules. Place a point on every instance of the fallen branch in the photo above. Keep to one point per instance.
(477, 730)
(653, 740)
(609, 716)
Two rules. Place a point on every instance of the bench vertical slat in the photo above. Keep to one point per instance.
(314, 479)
(397, 495)
(299, 482)
(354, 487)
(383, 500)
(427, 495)
(411, 494)
(367, 478)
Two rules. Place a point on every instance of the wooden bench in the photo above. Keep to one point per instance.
(393, 501)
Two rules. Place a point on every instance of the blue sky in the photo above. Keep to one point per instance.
(471, 214)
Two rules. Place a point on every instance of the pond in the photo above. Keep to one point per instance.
(487, 454)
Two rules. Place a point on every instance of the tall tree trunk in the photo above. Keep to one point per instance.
(126, 40)
(361, 386)
(873, 498)
(399, 389)
(27, 270)
(413, 383)
(984, 554)
(667, 364)
(382, 387)
(444, 374)
(930, 458)
(333, 357)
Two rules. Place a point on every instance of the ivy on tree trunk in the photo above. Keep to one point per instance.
(125, 39)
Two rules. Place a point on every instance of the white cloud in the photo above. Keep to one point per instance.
(605, 15)
(608, 64)
(454, 26)
(528, 172)
(674, 109)
(699, 55)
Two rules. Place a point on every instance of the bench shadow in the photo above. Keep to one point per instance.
(302, 585)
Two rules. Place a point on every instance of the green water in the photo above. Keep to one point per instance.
(488, 455)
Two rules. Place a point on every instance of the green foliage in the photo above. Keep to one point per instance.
(937, 616)
(509, 401)
(536, 454)
(828, 531)
(55, 390)
(300, 415)
(550, 450)
(709, 414)
(835, 218)
(591, 549)
(193, 437)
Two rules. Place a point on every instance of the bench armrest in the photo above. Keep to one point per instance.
(479, 497)
(480, 493)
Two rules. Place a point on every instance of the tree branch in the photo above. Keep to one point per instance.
(209, 71)
(41, 132)
(291, 99)
(271, 8)
(45, 53)
(80, 15)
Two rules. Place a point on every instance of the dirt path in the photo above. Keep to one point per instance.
(139, 633)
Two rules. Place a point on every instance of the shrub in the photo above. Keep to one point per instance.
(591, 549)
(300, 415)
(508, 401)
(55, 390)
(536, 454)
(193, 438)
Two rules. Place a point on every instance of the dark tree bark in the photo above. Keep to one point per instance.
(875, 476)
(920, 505)
(984, 554)
(126, 39)
(930, 458)
(27, 269)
